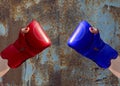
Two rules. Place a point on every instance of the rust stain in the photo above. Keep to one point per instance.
(115, 11)
(13, 77)
(94, 2)
(71, 68)
(4, 13)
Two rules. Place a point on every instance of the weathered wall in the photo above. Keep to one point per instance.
(59, 65)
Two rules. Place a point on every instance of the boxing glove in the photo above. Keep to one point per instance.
(91, 45)
(27, 45)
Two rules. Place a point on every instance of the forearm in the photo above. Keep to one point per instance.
(115, 66)
(4, 68)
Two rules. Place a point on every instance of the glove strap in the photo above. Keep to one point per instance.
(104, 57)
(14, 56)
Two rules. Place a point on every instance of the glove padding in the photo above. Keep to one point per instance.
(27, 45)
(91, 45)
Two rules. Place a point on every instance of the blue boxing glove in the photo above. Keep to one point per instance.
(91, 45)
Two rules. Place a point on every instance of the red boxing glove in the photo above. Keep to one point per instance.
(27, 45)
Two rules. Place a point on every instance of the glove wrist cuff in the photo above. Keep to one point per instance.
(104, 57)
(13, 55)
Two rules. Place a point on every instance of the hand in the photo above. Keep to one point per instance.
(86, 40)
(31, 40)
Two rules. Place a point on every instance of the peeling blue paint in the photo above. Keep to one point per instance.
(73, 72)
(0, 79)
(101, 77)
(103, 74)
(28, 71)
(115, 3)
(106, 25)
(3, 30)
(54, 56)
(56, 67)
(44, 57)
(38, 79)
(46, 27)
(60, 14)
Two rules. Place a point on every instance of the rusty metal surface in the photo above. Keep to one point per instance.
(59, 65)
